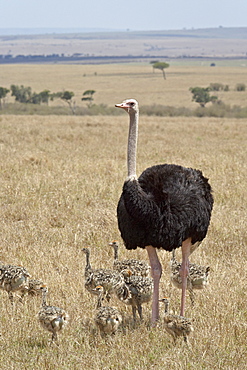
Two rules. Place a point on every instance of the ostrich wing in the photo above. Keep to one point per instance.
(140, 205)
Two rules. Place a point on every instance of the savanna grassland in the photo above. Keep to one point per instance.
(114, 82)
(61, 177)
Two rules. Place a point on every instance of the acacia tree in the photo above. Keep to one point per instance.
(88, 96)
(201, 95)
(3, 93)
(162, 66)
(44, 96)
(67, 97)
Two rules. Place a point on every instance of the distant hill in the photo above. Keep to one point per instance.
(46, 31)
(218, 42)
(219, 32)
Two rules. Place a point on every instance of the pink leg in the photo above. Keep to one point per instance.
(184, 271)
(156, 271)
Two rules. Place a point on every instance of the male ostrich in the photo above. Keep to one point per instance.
(168, 206)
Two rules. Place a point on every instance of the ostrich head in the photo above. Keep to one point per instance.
(166, 302)
(114, 244)
(99, 290)
(86, 250)
(44, 288)
(129, 105)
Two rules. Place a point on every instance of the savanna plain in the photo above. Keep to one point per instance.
(61, 177)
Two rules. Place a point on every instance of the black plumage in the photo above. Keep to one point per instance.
(166, 205)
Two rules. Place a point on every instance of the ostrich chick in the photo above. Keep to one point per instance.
(137, 267)
(108, 319)
(13, 279)
(197, 277)
(175, 325)
(110, 280)
(34, 288)
(140, 291)
(52, 318)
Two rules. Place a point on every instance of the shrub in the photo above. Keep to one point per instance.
(165, 111)
(201, 95)
(240, 87)
(216, 86)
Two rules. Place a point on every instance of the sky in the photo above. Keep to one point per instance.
(123, 14)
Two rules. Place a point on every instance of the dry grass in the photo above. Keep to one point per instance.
(60, 182)
(114, 82)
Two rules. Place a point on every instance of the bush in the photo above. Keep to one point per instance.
(28, 108)
(165, 111)
(240, 87)
(201, 95)
(218, 109)
(216, 86)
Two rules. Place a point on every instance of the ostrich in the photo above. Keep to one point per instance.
(33, 289)
(108, 319)
(176, 325)
(52, 318)
(167, 207)
(140, 291)
(137, 267)
(110, 280)
(197, 278)
(13, 279)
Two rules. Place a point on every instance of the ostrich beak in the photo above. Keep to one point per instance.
(123, 106)
(119, 105)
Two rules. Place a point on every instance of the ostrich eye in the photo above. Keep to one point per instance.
(132, 104)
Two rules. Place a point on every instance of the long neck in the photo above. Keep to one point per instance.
(88, 266)
(44, 293)
(132, 144)
(115, 252)
(100, 298)
(166, 307)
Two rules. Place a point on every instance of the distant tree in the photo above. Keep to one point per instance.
(25, 95)
(152, 62)
(3, 93)
(21, 93)
(67, 97)
(88, 96)
(201, 95)
(35, 98)
(162, 66)
(214, 99)
(45, 96)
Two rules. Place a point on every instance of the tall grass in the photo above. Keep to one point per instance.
(60, 182)
(218, 109)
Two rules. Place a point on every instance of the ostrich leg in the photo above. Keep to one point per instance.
(156, 271)
(184, 271)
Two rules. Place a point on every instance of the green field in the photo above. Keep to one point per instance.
(61, 177)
